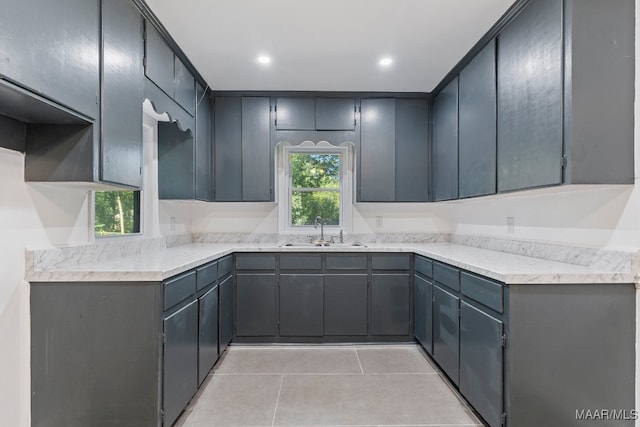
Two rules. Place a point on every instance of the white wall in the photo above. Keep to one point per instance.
(31, 216)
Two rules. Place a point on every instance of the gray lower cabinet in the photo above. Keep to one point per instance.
(122, 93)
(180, 361)
(207, 332)
(445, 143)
(390, 304)
(481, 362)
(255, 305)
(422, 312)
(243, 155)
(446, 332)
(225, 313)
(345, 304)
(301, 305)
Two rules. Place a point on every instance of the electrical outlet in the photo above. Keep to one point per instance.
(511, 224)
(379, 222)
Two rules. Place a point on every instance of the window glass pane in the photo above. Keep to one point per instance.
(307, 205)
(117, 213)
(315, 170)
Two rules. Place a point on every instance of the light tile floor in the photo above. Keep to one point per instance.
(361, 386)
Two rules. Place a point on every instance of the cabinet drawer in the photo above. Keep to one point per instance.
(484, 291)
(179, 288)
(390, 262)
(255, 262)
(346, 262)
(224, 266)
(301, 262)
(424, 266)
(445, 275)
(206, 275)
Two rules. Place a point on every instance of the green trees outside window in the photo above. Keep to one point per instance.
(315, 188)
(117, 213)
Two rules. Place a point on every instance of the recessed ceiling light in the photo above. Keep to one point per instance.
(264, 59)
(385, 62)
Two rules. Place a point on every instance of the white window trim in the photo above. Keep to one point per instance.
(346, 186)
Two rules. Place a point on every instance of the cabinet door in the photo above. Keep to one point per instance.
(446, 332)
(296, 114)
(477, 115)
(184, 90)
(176, 164)
(225, 311)
(390, 304)
(159, 60)
(203, 146)
(301, 305)
(377, 150)
(345, 304)
(445, 143)
(122, 84)
(228, 149)
(481, 362)
(412, 150)
(530, 95)
(335, 114)
(422, 312)
(257, 158)
(208, 333)
(180, 362)
(52, 48)
(255, 305)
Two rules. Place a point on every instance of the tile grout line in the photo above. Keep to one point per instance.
(275, 409)
(359, 363)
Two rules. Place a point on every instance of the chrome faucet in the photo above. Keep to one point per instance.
(321, 224)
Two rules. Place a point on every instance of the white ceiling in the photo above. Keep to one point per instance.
(327, 45)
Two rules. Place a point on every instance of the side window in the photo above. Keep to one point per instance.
(117, 213)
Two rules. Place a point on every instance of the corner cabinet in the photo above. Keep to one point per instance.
(393, 161)
(498, 342)
(243, 154)
(126, 353)
(445, 143)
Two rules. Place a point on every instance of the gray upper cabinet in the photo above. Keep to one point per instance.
(204, 178)
(243, 154)
(257, 158)
(412, 150)
(445, 143)
(122, 84)
(477, 125)
(176, 165)
(184, 87)
(377, 165)
(228, 149)
(530, 96)
(159, 60)
(295, 114)
(599, 95)
(52, 49)
(335, 114)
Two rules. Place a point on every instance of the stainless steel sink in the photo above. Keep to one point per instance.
(323, 244)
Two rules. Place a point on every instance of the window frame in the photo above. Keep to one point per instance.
(285, 187)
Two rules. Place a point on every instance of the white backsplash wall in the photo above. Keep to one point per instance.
(31, 216)
(262, 218)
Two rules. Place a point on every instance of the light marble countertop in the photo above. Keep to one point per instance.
(159, 264)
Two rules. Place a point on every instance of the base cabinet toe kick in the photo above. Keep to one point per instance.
(529, 354)
(135, 353)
